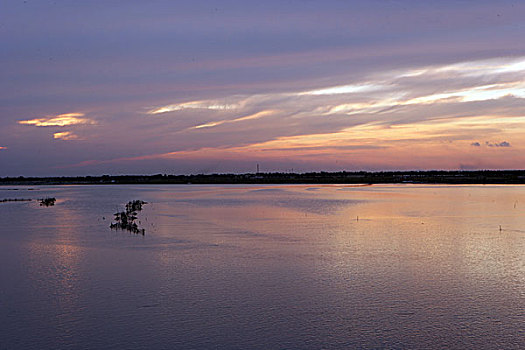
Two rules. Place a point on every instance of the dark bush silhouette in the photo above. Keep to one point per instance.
(125, 220)
(46, 202)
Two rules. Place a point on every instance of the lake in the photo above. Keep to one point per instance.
(264, 267)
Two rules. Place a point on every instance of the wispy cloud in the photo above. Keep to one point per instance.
(212, 105)
(240, 119)
(481, 81)
(482, 68)
(344, 89)
(59, 120)
(425, 116)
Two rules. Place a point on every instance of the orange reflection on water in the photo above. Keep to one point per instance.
(56, 256)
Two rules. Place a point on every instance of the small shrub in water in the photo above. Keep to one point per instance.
(125, 220)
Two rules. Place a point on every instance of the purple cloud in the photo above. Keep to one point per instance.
(498, 144)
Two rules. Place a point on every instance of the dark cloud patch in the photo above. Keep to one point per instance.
(498, 144)
(475, 144)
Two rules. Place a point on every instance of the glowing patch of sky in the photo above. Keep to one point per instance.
(66, 136)
(59, 120)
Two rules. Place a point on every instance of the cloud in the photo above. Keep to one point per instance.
(240, 119)
(3, 148)
(379, 93)
(213, 105)
(498, 144)
(431, 108)
(66, 136)
(344, 89)
(415, 117)
(59, 120)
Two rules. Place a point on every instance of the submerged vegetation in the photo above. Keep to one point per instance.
(15, 200)
(47, 202)
(125, 220)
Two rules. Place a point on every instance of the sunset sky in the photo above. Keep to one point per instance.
(179, 87)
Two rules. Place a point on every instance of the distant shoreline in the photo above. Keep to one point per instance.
(343, 177)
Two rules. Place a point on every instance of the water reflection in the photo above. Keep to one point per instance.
(53, 265)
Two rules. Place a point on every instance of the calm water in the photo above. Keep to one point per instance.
(265, 267)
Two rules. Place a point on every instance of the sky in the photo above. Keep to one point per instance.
(188, 87)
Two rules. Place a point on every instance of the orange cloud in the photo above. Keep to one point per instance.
(66, 136)
(59, 120)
